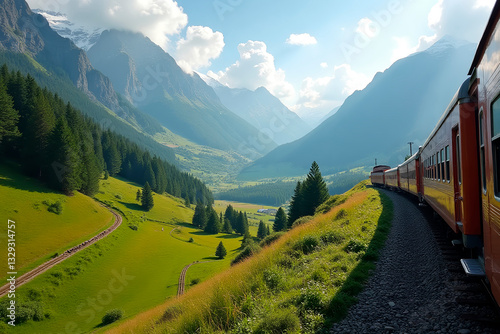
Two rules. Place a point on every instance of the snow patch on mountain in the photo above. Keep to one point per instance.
(83, 36)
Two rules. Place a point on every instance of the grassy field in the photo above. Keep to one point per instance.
(132, 270)
(251, 209)
(40, 233)
(301, 283)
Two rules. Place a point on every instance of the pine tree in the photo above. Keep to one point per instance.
(247, 240)
(65, 173)
(227, 228)
(280, 221)
(147, 197)
(200, 216)
(213, 224)
(296, 204)
(187, 203)
(138, 195)
(315, 191)
(221, 251)
(268, 230)
(231, 215)
(9, 117)
(262, 231)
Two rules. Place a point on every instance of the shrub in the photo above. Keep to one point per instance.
(281, 321)
(355, 246)
(307, 244)
(301, 221)
(332, 237)
(191, 240)
(195, 281)
(248, 251)
(341, 214)
(112, 316)
(331, 202)
(273, 279)
(56, 207)
(271, 238)
(133, 227)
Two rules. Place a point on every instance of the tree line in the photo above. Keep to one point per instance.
(56, 143)
(272, 194)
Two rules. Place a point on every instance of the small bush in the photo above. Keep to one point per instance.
(331, 202)
(248, 251)
(195, 281)
(332, 237)
(112, 316)
(56, 207)
(271, 238)
(301, 221)
(118, 196)
(341, 214)
(355, 246)
(191, 240)
(281, 321)
(307, 244)
(273, 279)
(133, 227)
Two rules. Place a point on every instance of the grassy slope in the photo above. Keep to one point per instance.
(40, 233)
(300, 284)
(78, 292)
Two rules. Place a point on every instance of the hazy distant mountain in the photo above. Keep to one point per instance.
(151, 79)
(263, 110)
(400, 105)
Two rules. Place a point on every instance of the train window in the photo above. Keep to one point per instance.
(459, 163)
(438, 167)
(442, 165)
(495, 138)
(481, 149)
(433, 169)
(447, 158)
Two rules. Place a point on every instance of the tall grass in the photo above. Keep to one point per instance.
(301, 283)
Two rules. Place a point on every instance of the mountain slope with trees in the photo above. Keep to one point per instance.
(57, 144)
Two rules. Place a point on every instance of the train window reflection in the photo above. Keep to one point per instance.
(447, 158)
(495, 121)
(481, 149)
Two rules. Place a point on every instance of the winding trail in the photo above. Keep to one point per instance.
(67, 254)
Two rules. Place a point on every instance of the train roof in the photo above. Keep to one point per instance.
(380, 168)
(485, 39)
(462, 95)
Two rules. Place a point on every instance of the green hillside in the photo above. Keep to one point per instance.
(134, 269)
(299, 284)
(40, 233)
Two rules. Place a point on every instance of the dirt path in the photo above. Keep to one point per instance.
(67, 254)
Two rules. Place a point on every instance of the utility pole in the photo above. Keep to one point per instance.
(375, 161)
(411, 143)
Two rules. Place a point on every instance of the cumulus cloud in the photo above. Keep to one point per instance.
(156, 19)
(453, 17)
(301, 39)
(254, 69)
(326, 92)
(200, 46)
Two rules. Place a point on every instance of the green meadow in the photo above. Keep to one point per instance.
(134, 269)
(39, 233)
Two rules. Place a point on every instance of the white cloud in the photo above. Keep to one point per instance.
(457, 18)
(156, 19)
(324, 65)
(301, 39)
(254, 69)
(327, 92)
(200, 46)
(367, 27)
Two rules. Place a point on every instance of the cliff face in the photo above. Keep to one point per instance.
(23, 31)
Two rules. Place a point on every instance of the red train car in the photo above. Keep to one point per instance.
(410, 179)
(485, 88)
(392, 178)
(377, 176)
(449, 168)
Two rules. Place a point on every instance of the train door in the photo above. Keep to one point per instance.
(457, 174)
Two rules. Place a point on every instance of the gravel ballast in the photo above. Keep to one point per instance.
(411, 290)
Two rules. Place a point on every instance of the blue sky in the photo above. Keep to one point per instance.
(338, 45)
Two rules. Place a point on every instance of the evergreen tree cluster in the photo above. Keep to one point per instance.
(308, 195)
(54, 142)
(206, 218)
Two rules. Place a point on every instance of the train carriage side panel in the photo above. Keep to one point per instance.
(485, 71)
(391, 178)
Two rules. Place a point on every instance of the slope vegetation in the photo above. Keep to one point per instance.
(300, 283)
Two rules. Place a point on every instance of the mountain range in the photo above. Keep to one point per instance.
(400, 105)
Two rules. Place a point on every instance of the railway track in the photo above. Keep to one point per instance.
(23, 279)
(182, 277)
